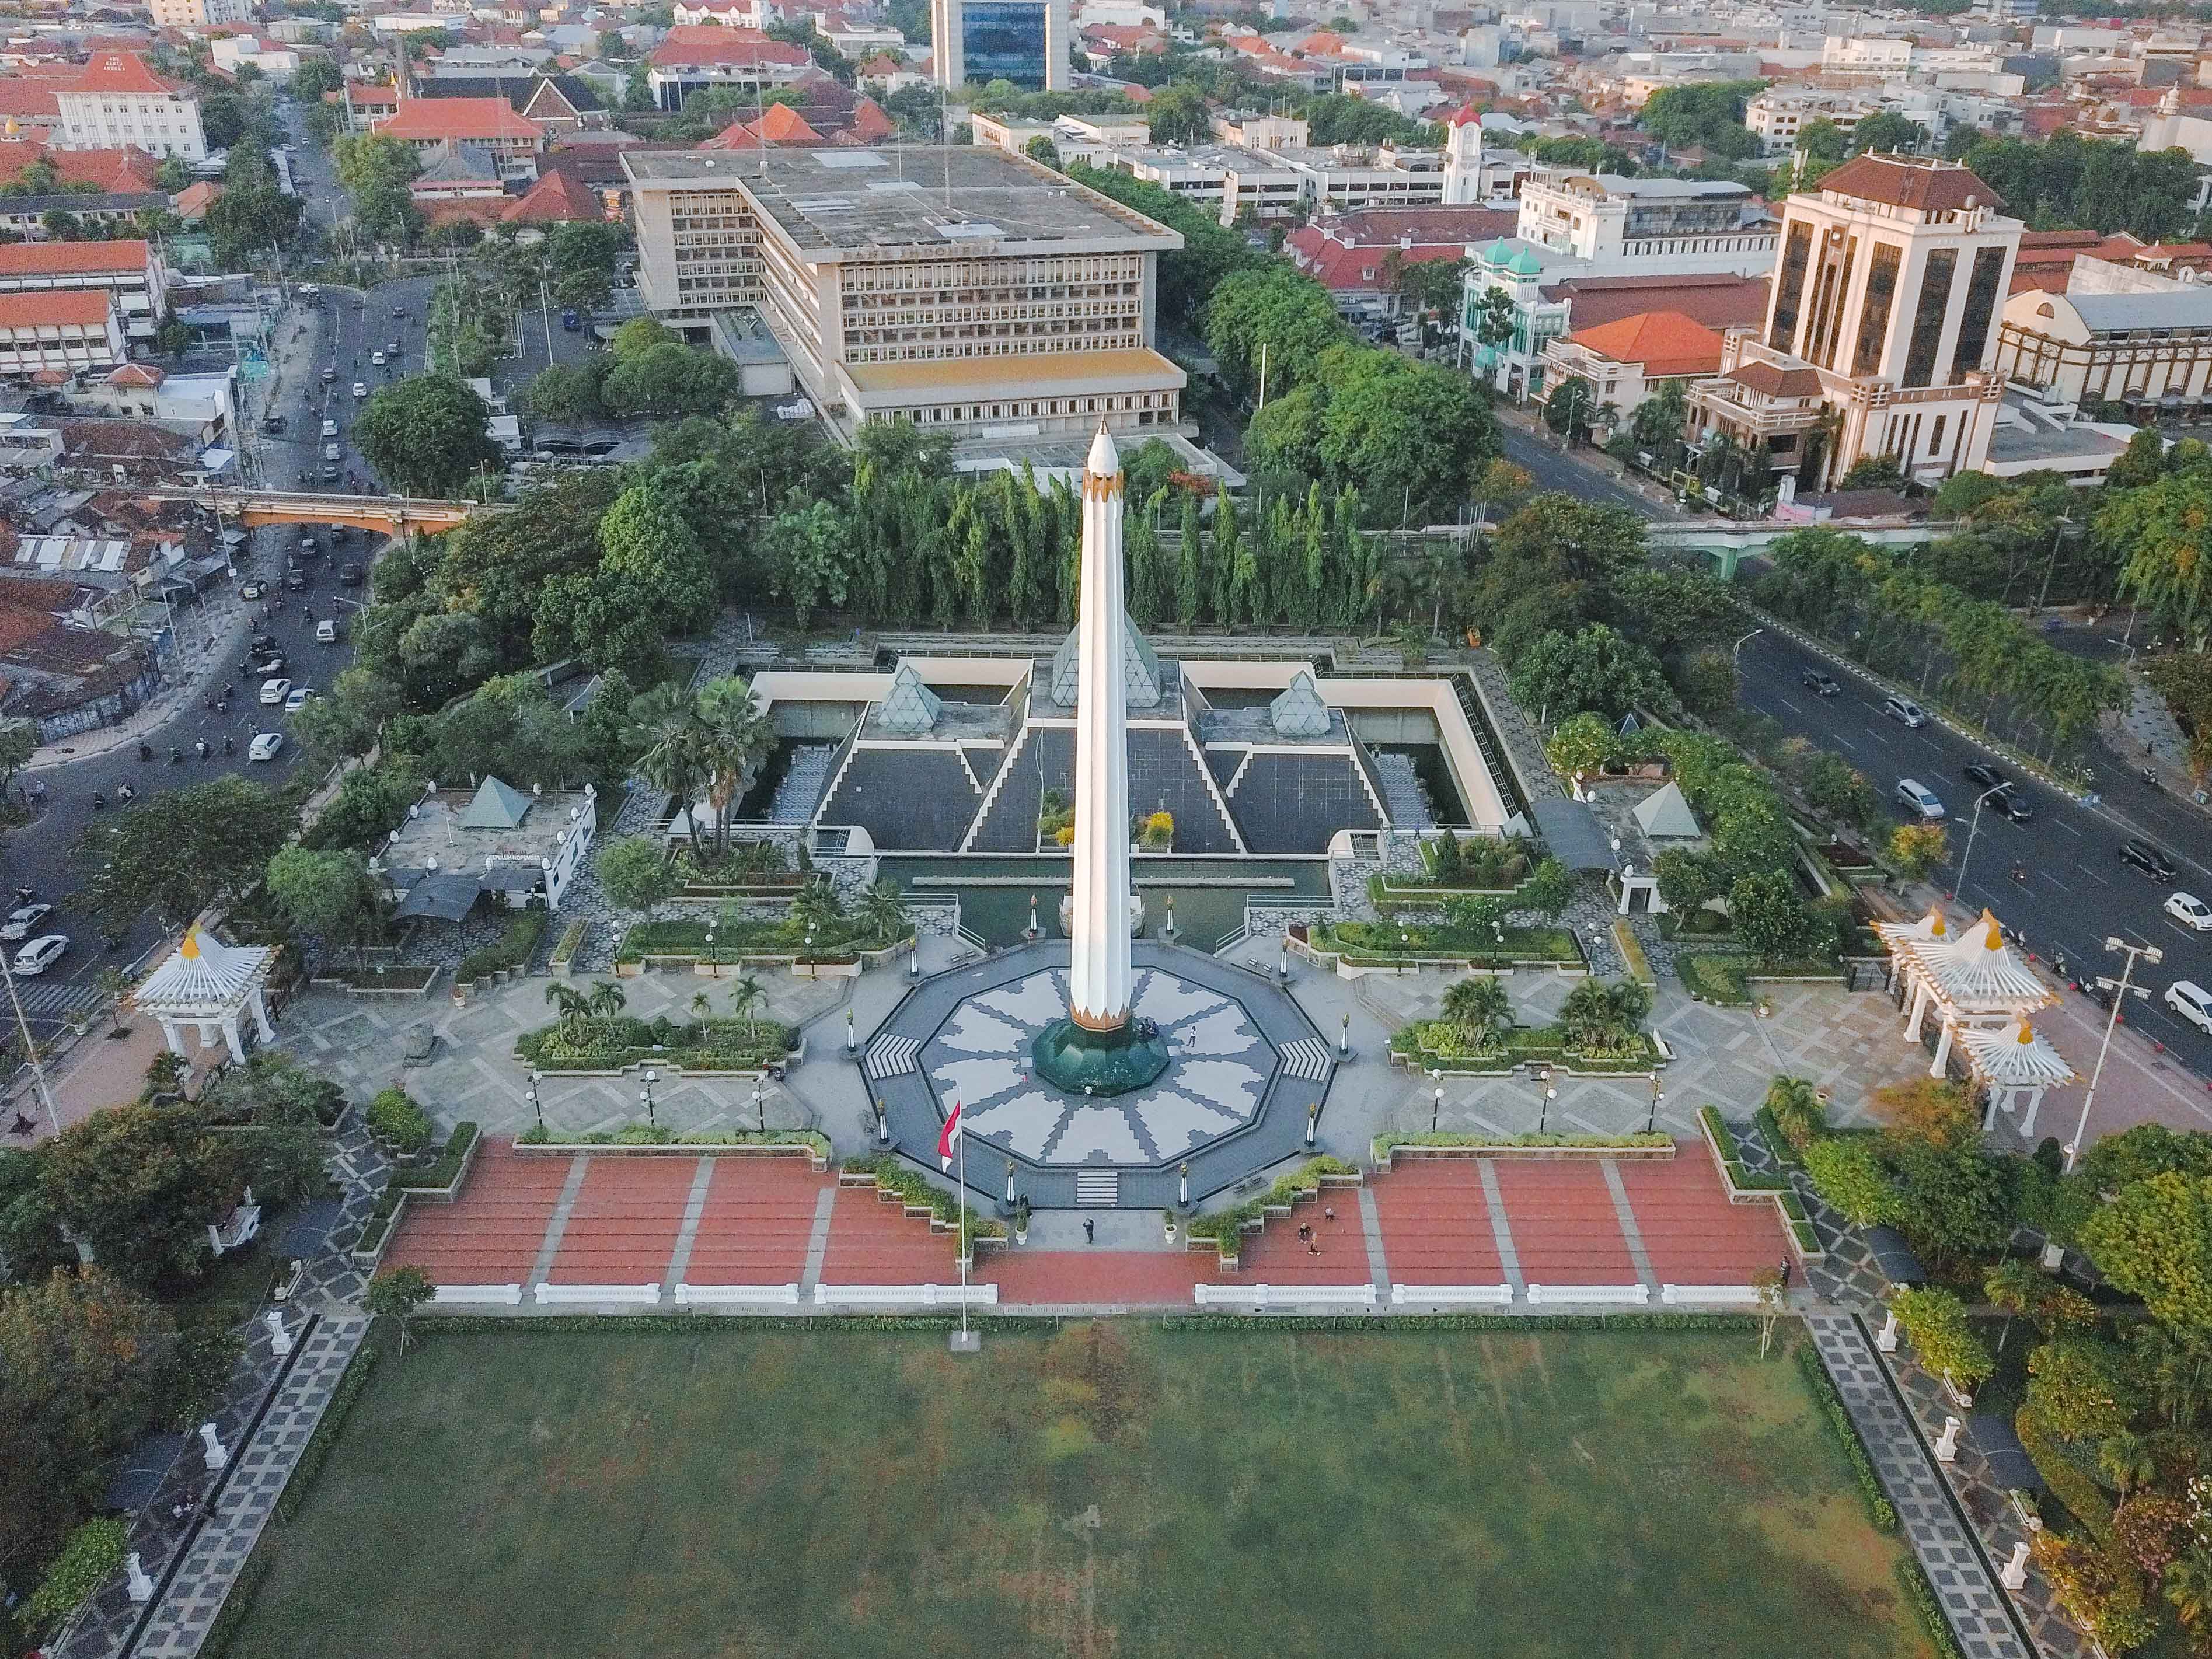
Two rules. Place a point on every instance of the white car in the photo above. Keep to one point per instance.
(1905, 710)
(360, 388)
(2186, 909)
(264, 746)
(297, 698)
(44, 953)
(2185, 997)
(1917, 798)
(376, 359)
(326, 631)
(329, 428)
(274, 692)
(19, 922)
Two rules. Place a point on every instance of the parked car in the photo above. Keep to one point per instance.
(264, 746)
(272, 424)
(2188, 909)
(1905, 710)
(41, 954)
(251, 590)
(1917, 798)
(267, 667)
(19, 922)
(2185, 997)
(376, 359)
(1819, 683)
(329, 428)
(273, 692)
(332, 472)
(2139, 853)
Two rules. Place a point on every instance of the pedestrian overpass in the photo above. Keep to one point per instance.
(392, 516)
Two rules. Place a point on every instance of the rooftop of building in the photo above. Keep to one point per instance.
(932, 196)
(124, 73)
(1921, 183)
(702, 45)
(455, 829)
(1718, 301)
(2186, 306)
(1040, 374)
(1680, 190)
(72, 307)
(71, 258)
(1666, 343)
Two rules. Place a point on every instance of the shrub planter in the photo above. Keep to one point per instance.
(790, 1146)
(1656, 1145)
(376, 1232)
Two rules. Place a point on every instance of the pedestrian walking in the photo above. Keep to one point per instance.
(1090, 1230)
(1313, 1247)
(1305, 1230)
(1329, 1216)
(1787, 1266)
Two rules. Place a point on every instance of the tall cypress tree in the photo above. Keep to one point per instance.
(1221, 561)
(1190, 566)
(1310, 607)
(1142, 543)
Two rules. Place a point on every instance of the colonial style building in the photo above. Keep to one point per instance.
(2152, 351)
(1880, 330)
(119, 101)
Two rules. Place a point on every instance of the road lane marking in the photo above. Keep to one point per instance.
(2067, 828)
(2092, 874)
(2055, 882)
(1845, 742)
(1789, 705)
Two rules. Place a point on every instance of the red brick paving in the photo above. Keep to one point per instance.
(622, 1228)
(1691, 1231)
(872, 1241)
(492, 1234)
(1436, 1223)
(1277, 1256)
(1564, 1230)
(1145, 1277)
(755, 1225)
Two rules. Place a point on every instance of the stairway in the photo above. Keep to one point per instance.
(1101, 1186)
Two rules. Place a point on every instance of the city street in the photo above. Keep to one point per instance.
(2077, 892)
(1540, 455)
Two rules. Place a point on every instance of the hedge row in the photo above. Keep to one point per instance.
(1913, 1579)
(333, 1421)
(1739, 1176)
(2069, 1483)
(1879, 1510)
(1383, 1145)
(1770, 1130)
(239, 1602)
(891, 1173)
(648, 1134)
(678, 1324)
(1226, 1228)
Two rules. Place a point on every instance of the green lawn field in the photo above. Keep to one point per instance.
(1113, 1490)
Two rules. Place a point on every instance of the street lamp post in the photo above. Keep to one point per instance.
(1972, 830)
(30, 1049)
(1435, 1101)
(645, 1096)
(713, 962)
(531, 1095)
(1735, 651)
(2058, 534)
(2149, 953)
(1651, 1119)
(760, 1108)
(1544, 1112)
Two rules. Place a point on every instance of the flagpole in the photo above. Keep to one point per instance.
(966, 1246)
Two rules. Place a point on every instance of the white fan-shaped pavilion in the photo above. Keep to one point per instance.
(212, 986)
(1973, 981)
(2015, 1063)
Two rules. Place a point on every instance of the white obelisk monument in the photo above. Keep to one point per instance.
(1098, 966)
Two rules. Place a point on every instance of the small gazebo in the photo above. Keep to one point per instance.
(1973, 980)
(2014, 1064)
(208, 984)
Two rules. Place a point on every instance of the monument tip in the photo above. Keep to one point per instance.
(1105, 461)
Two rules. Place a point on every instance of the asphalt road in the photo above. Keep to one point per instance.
(1552, 469)
(2077, 892)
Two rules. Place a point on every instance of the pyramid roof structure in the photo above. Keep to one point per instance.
(1664, 815)
(1299, 711)
(496, 807)
(1977, 973)
(908, 706)
(2016, 1056)
(1140, 670)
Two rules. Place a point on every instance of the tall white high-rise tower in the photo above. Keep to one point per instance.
(1098, 969)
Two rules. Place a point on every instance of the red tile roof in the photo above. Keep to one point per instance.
(1362, 268)
(1665, 343)
(447, 120)
(71, 258)
(1716, 300)
(696, 46)
(52, 307)
(558, 197)
(123, 72)
(192, 202)
(20, 95)
(779, 123)
(1773, 381)
(1927, 186)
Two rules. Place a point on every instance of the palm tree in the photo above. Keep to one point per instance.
(664, 726)
(2124, 1460)
(1799, 1111)
(1480, 1009)
(884, 911)
(606, 999)
(2015, 1287)
(575, 1007)
(734, 736)
(2188, 1587)
(2178, 1372)
(815, 906)
(699, 1007)
(746, 997)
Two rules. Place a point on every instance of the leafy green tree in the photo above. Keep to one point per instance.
(395, 1294)
(2161, 532)
(1481, 1008)
(328, 894)
(633, 872)
(2154, 1240)
(376, 169)
(1850, 1179)
(425, 435)
(180, 850)
(1770, 914)
(1935, 1322)
(1689, 881)
(1572, 408)
(1888, 133)
(1178, 115)
(1280, 310)
(1550, 886)
(566, 393)
(1917, 849)
(140, 1185)
(1595, 670)
(2083, 1388)
(1708, 115)
(1799, 1111)
(1950, 1204)
(669, 381)
(812, 554)
(1835, 786)
(1580, 745)
(1822, 140)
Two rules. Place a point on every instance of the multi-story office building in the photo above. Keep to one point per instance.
(964, 288)
(1778, 115)
(1881, 328)
(691, 58)
(2150, 349)
(1024, 41)
(131, 271)
(201, 14)
(488, 124)
(119, 101)
(69, 333)
(1266, 186)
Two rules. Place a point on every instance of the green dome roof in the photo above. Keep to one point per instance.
(1526, 264)
(1496, 253)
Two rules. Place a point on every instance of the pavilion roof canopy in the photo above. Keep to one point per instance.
(1974, 974)
(204, 977)
(2016, 1056)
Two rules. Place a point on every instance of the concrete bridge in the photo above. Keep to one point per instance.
(393, 515)
(1728, 544)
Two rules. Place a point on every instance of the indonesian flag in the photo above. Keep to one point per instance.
(948, 1139)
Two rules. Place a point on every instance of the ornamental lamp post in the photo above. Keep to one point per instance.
(645, 1096)
(1651, 1122)
(760, 1110)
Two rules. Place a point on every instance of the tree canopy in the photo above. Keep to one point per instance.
(425, 435)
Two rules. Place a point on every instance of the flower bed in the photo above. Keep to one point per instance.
(1370, 944)
(1448, 1144)
(1438, 1044)
(815, 1144)
(609, 1043)
(572, 941)
(513, 951)
(891, 1175)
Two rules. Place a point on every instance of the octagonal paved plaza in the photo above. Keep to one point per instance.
(1246, 1067)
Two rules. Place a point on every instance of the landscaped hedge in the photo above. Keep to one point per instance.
(1440, 1043)
(839, 940)
(609, 1043)
(2069, 1483)
(1378, 944)
(1778, 1144)
(691, 1324)
(649, 1134)
(1793, 1207)
(394, 1118)
(327, 1429)
(514, 949)
(910, 1187)
(572, 940)
(1715, 979)
(1226, 1228)
(239, 1602)
(1879, 1510)
(1384, 1145)
(1913, 1578)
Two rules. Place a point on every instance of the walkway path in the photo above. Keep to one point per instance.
(264, 1421)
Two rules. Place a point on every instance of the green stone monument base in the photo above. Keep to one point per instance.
(1081, 1062)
